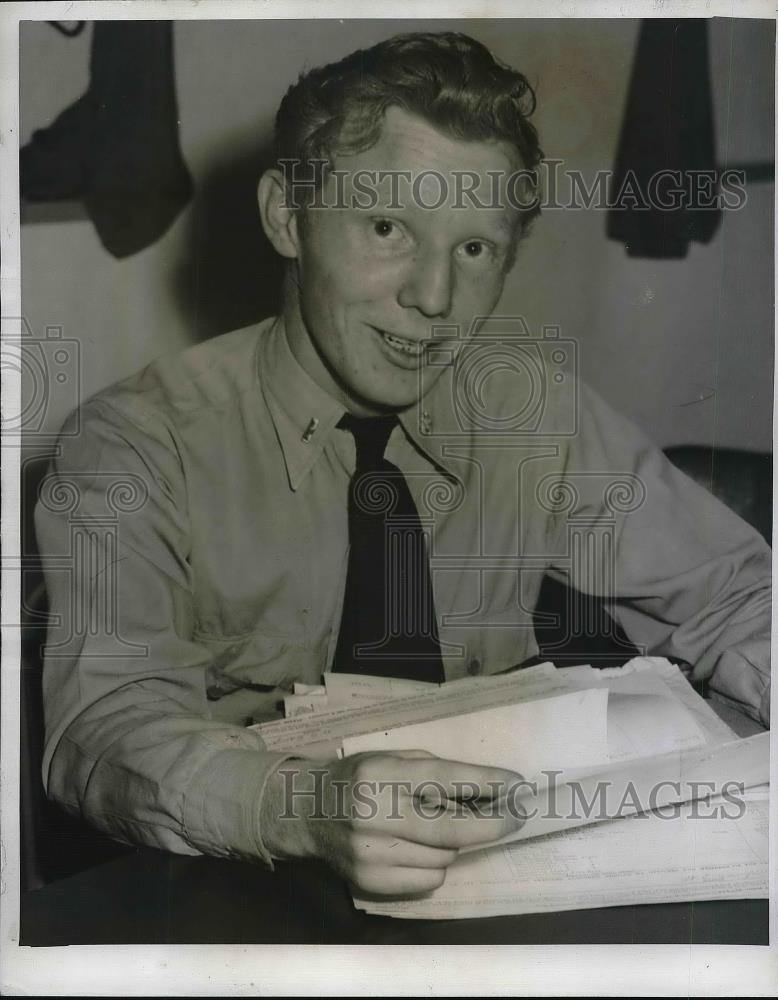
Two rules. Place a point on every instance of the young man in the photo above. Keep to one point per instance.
(273, 469)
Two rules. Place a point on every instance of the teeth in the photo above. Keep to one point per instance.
(406, 346)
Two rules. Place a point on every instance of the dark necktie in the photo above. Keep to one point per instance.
(388, 627)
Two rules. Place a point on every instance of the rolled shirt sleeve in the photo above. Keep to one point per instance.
(688, 577)
(129, 742)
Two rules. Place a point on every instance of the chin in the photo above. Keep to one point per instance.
(387, 400)
(391, 403)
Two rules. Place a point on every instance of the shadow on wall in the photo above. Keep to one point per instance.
(230, 276)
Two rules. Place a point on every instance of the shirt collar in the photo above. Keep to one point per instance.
(432, 426)
(304, 415)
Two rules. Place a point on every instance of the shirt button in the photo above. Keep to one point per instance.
(474, 666)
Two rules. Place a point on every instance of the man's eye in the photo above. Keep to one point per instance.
(473, 248)
(385, 228)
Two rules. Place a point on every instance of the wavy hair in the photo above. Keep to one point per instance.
(447, 78)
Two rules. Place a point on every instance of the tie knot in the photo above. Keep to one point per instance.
(371, 435)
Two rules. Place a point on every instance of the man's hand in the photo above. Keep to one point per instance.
(390, 823)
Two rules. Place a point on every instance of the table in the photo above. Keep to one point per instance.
(152, 897)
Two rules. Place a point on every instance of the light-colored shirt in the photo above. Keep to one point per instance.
(195, 537)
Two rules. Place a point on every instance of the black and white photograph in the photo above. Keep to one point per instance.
(387, 499)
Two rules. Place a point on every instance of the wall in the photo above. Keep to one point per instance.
(683, 347)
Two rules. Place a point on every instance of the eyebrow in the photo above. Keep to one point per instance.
(510, 224)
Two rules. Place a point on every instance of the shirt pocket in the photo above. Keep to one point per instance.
(256, 658)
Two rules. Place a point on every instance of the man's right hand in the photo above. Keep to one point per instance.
(390, 823)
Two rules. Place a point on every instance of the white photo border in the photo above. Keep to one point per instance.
(522, 970)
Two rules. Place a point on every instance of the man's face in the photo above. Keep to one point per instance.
(373, 283)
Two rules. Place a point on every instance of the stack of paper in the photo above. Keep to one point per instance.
(327, 732)
(629, 740)
(641, 859)
(344, 690)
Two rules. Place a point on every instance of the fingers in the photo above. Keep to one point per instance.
(451, 779)
(434, 802)
(386, 881)
(386, 850)
(443, 824)
(386, 865)
(462, 780)
(455, 826)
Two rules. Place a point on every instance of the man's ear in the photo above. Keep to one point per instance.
(278, 218)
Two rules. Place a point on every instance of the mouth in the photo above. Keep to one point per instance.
(408, 348)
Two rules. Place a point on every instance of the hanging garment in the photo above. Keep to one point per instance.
(668, 126)
(117, 149)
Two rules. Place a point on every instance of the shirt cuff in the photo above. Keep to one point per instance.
(221, 805)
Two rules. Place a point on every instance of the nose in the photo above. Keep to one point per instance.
(429, 284)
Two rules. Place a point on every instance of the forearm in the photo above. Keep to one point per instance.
(171, 781)
(684, 576)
